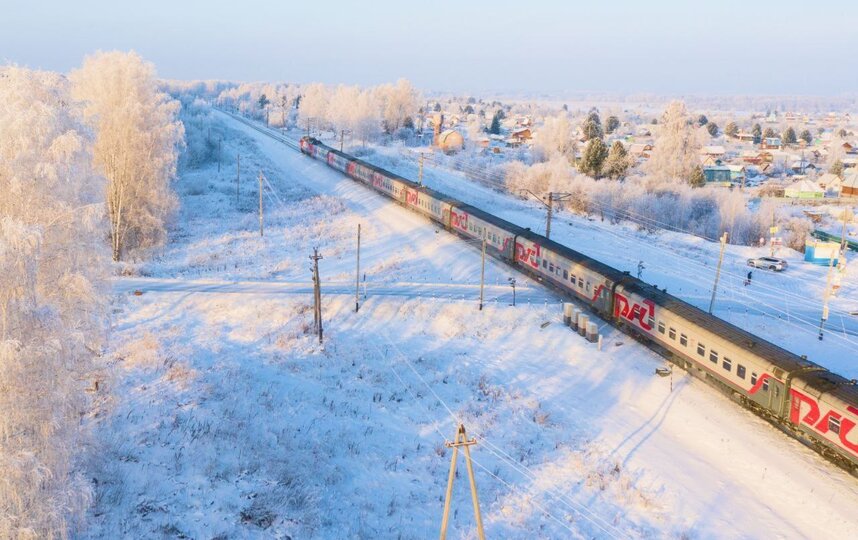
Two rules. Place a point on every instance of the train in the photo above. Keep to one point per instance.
(800, 397)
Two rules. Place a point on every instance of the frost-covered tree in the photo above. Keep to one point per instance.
(556, 137)
(836, 168)
(757, 132)
(675, 153)
(611, 124)
(52, 261)
(618, 161)
(702, 120)
(593, 158)
(697, 178)
(398, 102)
(314, 106)
(495, 126)
(712, 128)
(769, 133)
(592, 126)
(731, 129)
(136, 146)
(789, 136)
(806, 136)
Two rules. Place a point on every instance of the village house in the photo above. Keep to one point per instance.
(771, 143)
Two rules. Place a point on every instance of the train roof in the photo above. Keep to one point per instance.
(776, 355)
(832, 384)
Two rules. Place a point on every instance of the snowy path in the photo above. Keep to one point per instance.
(230, 421)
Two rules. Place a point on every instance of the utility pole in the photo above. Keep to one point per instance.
(357, 274)
(772, 231)
(548, 216)
(317, 293)
(483, 274)
(261, 210)
(512, 283)
(420, 170)
(461, 439)
(237, 178)
(718, 271)
(219, 141)
(342, 136)
(827, 296)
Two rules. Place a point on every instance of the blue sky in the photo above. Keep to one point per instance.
(535, 46)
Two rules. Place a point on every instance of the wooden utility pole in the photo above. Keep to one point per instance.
(718, 271)
(219, 141)
(512, 284)
(550, 211)
(237, 178)
(420, 170)
(357, 274)
(461, 439)
(261, 210)
(317, 293)
(342, 136)
(482, 274)
(772, 231)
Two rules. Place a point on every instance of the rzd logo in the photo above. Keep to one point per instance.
(459, 221)
(820, 422)
(528, 255)
(411, 197)
(634, 312)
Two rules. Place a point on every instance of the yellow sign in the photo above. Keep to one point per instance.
(773, 230)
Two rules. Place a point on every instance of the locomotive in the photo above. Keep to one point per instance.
(802, 398)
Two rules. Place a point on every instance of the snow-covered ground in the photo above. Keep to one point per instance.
(229, 420)
(784, 308)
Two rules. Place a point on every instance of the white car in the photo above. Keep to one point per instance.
(770, 263)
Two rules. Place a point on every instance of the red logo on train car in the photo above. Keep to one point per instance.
(331, 159)
(411, 197)
(822, 422)
(459, 221)
(634, 312)
(350, 168)
(528, 255)
(377, 180)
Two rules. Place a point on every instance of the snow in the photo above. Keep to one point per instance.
(228, 419)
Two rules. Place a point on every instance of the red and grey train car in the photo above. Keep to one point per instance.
(800, 396)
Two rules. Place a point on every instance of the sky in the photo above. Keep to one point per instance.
(537, 47)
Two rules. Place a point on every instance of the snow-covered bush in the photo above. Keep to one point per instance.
(136, 146)
(52, 261)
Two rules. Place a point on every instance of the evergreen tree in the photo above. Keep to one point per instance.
(263, 101)
(757, 132)
(731, 129)
(712, 128)
(789, 136)
(806, 136)
(592, 126)
(437, 107)
(697, 178)
(702, 120)
(469, 110)
(837, 168)
(769, 133)
(617, 162)
(494, 129)
(612, 124)
(593, 158)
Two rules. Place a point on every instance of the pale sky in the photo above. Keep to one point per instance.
(537, 46)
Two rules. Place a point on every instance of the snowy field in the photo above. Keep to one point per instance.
(784, 308)
(229, 420)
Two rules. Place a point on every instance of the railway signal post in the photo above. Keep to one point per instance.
(461, 440)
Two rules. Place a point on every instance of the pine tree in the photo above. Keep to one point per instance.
(731, 129)
(617, 162)
(757, 132)
(769, 133)
(806, 136)
(494, 129)
(592, 126)
(789, 136)
(702, 120)
(712, 128)
(263, 101)
(697, 178)
(612, 124)
(593, 158)
(837, 168)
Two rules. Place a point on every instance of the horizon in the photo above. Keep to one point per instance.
(553, 49)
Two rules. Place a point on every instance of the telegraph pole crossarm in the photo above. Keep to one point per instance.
(461, 440)
(551, 197)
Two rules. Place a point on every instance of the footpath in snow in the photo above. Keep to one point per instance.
(229, 420)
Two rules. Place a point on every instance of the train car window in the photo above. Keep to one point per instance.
(650, 322)
(572, 278)
(753, 378)
(683, 340)
(660, 327)
(727, 364)
(777, 391)
(740, 371)
(588, 287)
(544, 263)
(551, 268)
(565, 274)
(834, 424)
(580, 282)
(766, 385)
(672, 334)
(713, 357)
(701, 349)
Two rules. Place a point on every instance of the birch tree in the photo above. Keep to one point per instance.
(136, 146)
(676, 149)
(52, 263)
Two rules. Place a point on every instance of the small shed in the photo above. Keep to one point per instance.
(820, 252)
(804, 189)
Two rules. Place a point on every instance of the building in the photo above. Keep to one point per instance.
(804, 189)
(521, 135)
(829, 182)
(849, 187)
(450, 141)
(772, 143)
(713, 151)
(720, 175)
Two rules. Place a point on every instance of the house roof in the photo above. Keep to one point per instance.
(804, 186)
(851, 180)
(715, 150)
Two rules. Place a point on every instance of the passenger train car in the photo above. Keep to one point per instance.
(800, 396)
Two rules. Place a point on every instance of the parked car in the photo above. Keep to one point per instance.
(769, 263)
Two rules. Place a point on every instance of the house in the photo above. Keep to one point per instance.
(713, 151)
(804, 189)
(718, 175)
(450, 141)
(745, 137)
(521, 135)
(801, 166)
(850, 148)
(640, 150)
(849, 188)
(772, 143)
(829, 182)
(737, 174)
